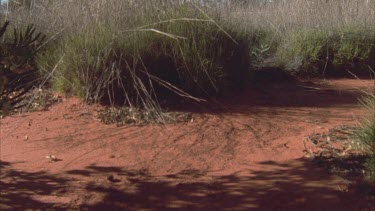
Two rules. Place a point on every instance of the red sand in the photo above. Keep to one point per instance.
(249, 156)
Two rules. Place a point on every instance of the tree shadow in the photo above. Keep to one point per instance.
(297, 186)
(20, 190)
(351, 168)
(280, 94)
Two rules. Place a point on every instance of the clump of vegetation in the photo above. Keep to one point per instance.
(367, 134)
(18, 71)
(186, 53)
(312, 37)
(313, 51)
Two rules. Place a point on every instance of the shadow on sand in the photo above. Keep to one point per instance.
(296, 186)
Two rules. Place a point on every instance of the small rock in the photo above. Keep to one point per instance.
(111, 178)
(52, 158)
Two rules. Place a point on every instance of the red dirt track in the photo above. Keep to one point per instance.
(249, 155)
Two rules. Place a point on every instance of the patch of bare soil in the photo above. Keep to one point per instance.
(249, 153)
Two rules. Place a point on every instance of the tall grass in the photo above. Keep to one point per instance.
(349, 48)
(314, 36)
(367, 133)
(178, 49)
(135, 52)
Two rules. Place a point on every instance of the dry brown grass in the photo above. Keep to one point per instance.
(53, 16)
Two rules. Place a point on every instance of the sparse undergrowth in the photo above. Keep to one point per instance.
(37, 100)
(343, 154)
(125, 115)
(349, 151)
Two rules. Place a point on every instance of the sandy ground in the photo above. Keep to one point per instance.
(248, 155)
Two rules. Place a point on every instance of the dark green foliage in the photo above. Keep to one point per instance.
(18, 72)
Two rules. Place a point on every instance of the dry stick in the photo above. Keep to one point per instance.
(373, 72)
(187, 67)
(153, 103)
(327, 58)
(6, 15)
(176, 37)
(174, 88)
(149, 101)
(173, 20)
(354, 75)
(208, 75)
(142, 92)
(276, 34)
(168, 85)
(120, 82)
(149, 81)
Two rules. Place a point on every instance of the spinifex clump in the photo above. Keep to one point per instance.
(18, 72)
(367, 133)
